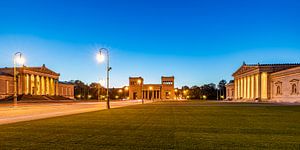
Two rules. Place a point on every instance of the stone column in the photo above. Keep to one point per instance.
(23, 84)
(29, 84)
(245, 88)
(238, 90)
(47, 85)
(242, 88)
(41, 85)
(51, 87)
(259, 86)
(252, 87)
(235, 88)
(248, 87)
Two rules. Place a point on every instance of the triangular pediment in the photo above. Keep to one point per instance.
(244, 69)
(43, 69)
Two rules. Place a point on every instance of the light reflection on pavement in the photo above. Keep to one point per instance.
(33, 111)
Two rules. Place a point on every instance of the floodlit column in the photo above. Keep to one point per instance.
(56, 87)
(47, 85)
(248, 87)
(245, 88)
(41, 85)
(30, 86)
(239, 89)
(27, 84)
(242, 88)
(235, 87)
(23, 83)
(51, 86)
(259, 86)
(252, 87)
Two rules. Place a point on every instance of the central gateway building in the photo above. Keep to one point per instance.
(139, 90)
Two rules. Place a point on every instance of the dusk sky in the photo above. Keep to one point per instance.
(196, 41)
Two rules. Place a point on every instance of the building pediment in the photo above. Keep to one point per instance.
(42, 69)
(243, 69)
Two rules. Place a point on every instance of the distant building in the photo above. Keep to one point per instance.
(34, 81)
(139, 90)
(266, 82)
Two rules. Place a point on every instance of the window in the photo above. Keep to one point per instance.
(278, 90)
(294, 89)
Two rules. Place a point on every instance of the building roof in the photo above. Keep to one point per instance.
(42, 69)
(271, 68)
(5, 74)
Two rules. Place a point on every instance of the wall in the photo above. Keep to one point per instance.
(284, 80)
(6, 86)
(66, 90)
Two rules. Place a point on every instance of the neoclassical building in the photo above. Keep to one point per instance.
(34, 81)
(139, 90)
(266, 82)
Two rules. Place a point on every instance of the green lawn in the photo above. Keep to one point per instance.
(163, 125)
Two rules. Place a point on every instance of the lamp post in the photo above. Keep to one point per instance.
(217, 94)
(100, 58)
(141, 84)
(20, 60)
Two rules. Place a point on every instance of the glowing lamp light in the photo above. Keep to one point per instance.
(150, 88)
(20, 60)
(100, 57)
(126, 88)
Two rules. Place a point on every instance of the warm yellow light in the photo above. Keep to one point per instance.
(100, 57)
(126, 88)
(117, 96)
(150, 88)
(120, 91)
(139, 81)
(175, 90)
(204, 96)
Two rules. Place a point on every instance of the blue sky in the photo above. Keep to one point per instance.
(196, 41)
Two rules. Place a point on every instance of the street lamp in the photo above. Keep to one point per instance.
(151, 88)
(101, 58)
(18, 59)
(140, 83)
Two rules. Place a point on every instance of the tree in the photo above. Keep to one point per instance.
(209, 91)
(222, 89)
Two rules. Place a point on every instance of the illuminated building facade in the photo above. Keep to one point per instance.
(266, 82)
(34, 81)
(163, 91)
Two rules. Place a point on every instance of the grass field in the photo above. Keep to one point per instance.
(163, 125)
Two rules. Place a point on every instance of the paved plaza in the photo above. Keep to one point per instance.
(33, 111)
